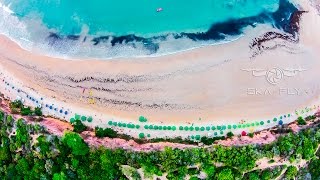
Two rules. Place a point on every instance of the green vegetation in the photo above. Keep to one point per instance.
(107, 132)
(291, 172)
(27, 151)
(18, 107)
(301, 121)
(78, 126)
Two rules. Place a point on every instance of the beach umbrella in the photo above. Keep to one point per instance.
(141, 135)
(215, 133)
(137, 126)
(280, 122)
(234, 126)
(115, 123)
(197, 128)
(243, 133)
(202, 128)
(89, 119)
(191, 128)
(213, 128)
(208, 128)
(110, 123)
(197, 137)
(229, 127)
(72, 120)
(268, 121)
(219, 127)
(261, 123)
(180, 128)
(160, 127)
(164, 127)
(174, 128)
(146, 126)
(83, 118)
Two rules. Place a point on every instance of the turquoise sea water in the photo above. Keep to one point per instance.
(139, 17)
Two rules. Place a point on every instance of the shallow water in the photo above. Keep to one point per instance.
(122, 17)
(127, 28)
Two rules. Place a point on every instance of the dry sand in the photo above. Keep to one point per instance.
(208, 83)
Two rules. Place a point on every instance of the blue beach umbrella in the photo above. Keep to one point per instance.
(280, 122)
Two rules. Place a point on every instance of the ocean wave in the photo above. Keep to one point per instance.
(32, 34)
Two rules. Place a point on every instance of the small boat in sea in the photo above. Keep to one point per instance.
(159, 9)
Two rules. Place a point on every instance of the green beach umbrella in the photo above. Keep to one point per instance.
(197, 137)
(186, 128)
(234, 126)
(83, 118)
(146, 126)
(137, 126)
(89, 119)
(229, 127)
(208, 128)
(191, 128)
(169, 127)
(261, 123)
(150, 127)
(114, 123)
(219, 127)
(174, 128)
(72, 120)
(160, 127)
(141, 135)
(164, 127)
(197, 128)
(77, 116)
(110, 123)
(202, 129)
(213, 128)
(180, 128)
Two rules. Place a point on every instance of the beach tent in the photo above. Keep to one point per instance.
(243, 133)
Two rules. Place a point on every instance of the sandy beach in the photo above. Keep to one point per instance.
(219, 84)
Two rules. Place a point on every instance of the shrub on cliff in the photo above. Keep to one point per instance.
(78, 126)
(301, 121)
(37, 111)
(107, 132)
(75, 143)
